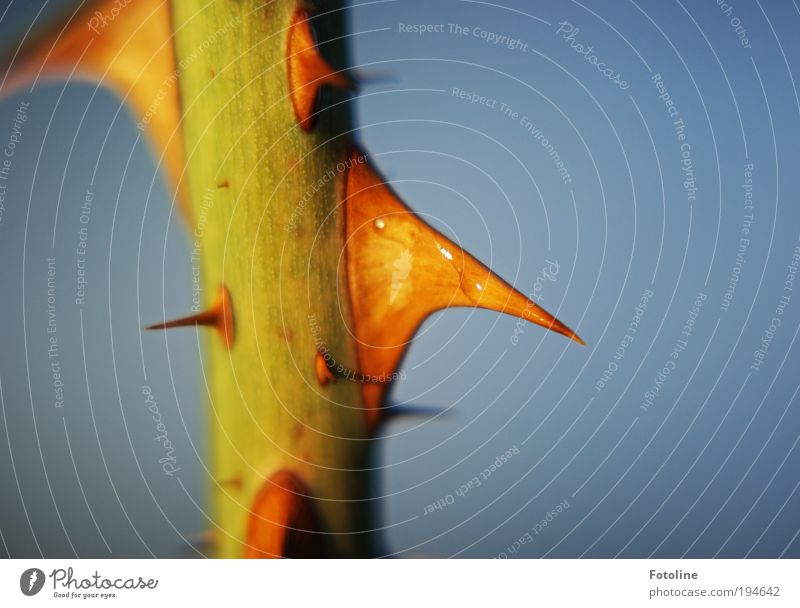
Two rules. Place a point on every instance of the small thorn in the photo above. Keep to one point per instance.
(323, 370)
(365, 79)
(219, 316)
(235, 483)
(328, 369)
(205, 541)
(307, 71)
(223, 184)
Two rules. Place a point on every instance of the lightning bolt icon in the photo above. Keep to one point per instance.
(34, 576)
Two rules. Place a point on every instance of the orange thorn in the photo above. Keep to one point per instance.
(282, 521)
(219, 316)
(224, 184)
(132, 54)
(400, 270)
(307, 71)
(323, 370)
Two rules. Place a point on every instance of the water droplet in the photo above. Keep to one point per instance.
(380, 224)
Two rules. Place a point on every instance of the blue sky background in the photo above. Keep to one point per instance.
(710, 468)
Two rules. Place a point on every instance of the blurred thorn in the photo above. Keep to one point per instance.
(205, 542)
(283, 521)
(307, 70)
(131, 53)
(323, 370)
